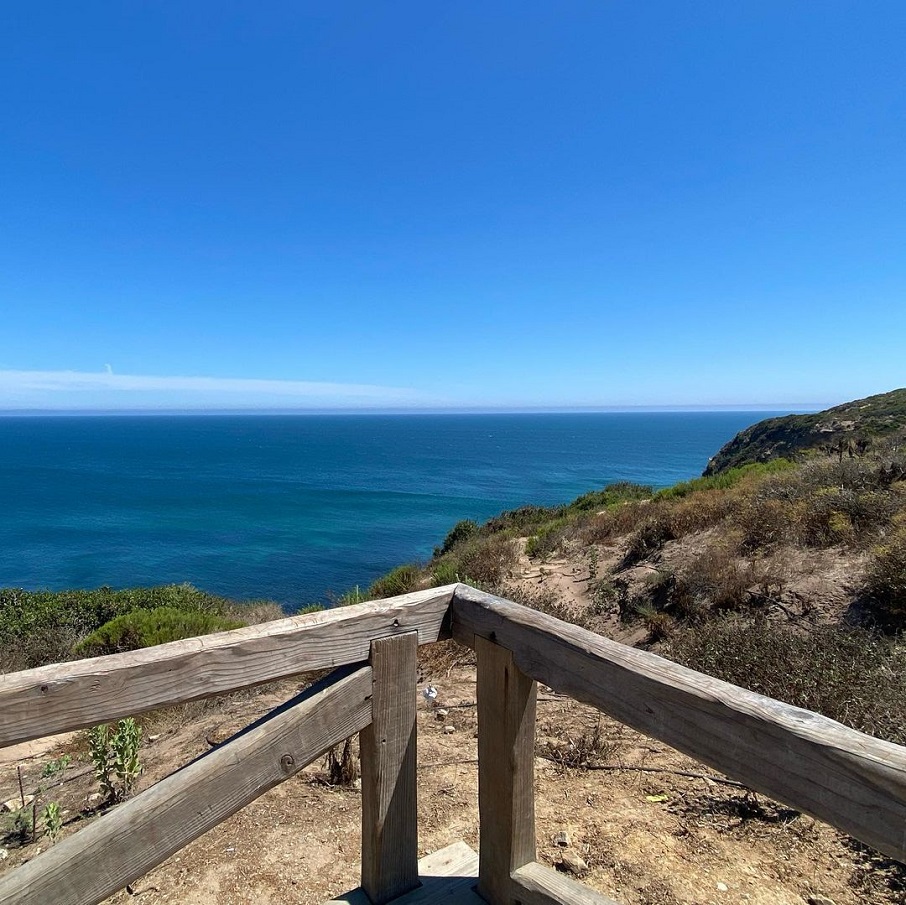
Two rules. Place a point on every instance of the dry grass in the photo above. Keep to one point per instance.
(851, 675)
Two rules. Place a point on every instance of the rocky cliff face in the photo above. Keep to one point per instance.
(850, 429)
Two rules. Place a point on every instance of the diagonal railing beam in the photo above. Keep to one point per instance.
(92, 864)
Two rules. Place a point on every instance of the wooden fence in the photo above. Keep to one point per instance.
(816, 765)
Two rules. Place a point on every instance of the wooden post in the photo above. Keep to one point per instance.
(506, 743)
(388, 750)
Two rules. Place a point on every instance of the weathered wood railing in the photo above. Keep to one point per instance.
(853, 781)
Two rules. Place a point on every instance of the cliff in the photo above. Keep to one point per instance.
(847, 429)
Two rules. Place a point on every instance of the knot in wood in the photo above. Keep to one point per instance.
(287, 762)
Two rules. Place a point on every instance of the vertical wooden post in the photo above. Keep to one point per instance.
(506, 752)
(389, 817)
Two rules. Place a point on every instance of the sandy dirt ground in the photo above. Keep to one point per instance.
(650, 826)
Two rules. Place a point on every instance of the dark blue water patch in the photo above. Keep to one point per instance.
(293, 508)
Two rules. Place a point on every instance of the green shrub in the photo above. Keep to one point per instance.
(611, 495)
(517, 520)
(319, 607)
(458, 534)
(486, 561)
(38, 627)
(146, 628)
(725, 479)
(400, 580)
(547, 541)
(445, 571)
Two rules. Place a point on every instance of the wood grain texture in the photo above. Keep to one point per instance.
(388, 753)
(506, 760)
(447, 878)
(851, 780)
(125, 844)
(535, 884)
(65, 696)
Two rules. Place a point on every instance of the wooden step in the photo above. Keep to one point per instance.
(448, 878)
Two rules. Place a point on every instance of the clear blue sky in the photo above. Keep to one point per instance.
(423, 204)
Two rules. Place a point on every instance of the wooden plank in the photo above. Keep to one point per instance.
(125, 844)
(388, 752)
(506, 759)
(535, 884)
(447, 878)
(64, 696)
(853, 781)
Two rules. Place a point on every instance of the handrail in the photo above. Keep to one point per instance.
(847, 778)
(83, 693)
(817, 765)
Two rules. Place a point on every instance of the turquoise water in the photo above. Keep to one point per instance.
(294, 508)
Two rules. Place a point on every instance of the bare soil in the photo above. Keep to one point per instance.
(652, 826)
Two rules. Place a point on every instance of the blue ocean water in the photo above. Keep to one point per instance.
(294, 508)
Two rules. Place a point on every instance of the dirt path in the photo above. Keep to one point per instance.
(648, 834)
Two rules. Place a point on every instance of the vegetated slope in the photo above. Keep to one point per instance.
(850, 428)
(722, 572)
(786, 577)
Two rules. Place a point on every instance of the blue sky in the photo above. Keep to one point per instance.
(451, 204)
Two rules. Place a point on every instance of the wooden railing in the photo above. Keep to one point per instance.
(853, 781)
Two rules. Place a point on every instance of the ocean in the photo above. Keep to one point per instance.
(296, 508)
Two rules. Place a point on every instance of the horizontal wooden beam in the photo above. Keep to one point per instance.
(118, 848)
(853, 781)
(65, 696)
(535, 884)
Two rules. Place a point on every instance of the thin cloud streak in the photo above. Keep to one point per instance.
(105, 389)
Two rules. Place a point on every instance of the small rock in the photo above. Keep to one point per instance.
(572, 864)
(441, 714)
(95, 796)
(15, 804)
(820, 900)
(722, 887)
(4, 854)
(449, 730)
(562, 838)
(153, 738)
(357, 784)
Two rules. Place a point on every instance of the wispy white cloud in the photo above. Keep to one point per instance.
(107, 390)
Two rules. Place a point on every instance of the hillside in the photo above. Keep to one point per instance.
(848, 429)
(787, 577)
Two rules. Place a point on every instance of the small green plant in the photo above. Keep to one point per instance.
(352, 597)
(52, 820)
(115, 758)
(19, 825)
(52, 767)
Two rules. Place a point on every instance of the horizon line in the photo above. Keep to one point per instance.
(427, 410)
